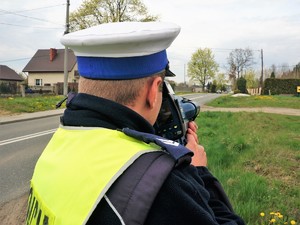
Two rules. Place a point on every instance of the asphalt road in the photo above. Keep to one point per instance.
(21, 143)
(201, 99)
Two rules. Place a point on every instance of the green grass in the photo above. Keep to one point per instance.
(256, 157)
(29, 104)
(257, 101)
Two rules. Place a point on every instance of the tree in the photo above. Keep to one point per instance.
(202, 66)
(239, 60)
(251, 78)
(273, 67)
(213, 87)
(284, 70)
(221, 82)
(296, 71)
(273, 75)
(95, 12)
(242, 85)
(209, 84)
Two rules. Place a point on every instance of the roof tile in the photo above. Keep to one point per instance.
(9, 74)
(41, 62)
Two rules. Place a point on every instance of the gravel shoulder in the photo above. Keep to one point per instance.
(14, 211)
(282, 111)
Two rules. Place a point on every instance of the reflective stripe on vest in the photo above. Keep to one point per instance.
(74, 172)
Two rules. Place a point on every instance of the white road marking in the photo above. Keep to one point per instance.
(25, 137)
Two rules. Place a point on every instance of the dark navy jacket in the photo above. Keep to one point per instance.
(189, 195)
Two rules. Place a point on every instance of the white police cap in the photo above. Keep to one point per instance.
(125, 50)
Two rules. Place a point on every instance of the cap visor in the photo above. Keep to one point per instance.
(169, 73)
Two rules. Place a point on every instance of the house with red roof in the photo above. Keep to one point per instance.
(46, 68)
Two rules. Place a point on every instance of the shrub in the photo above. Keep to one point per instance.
(281, 86)
(4, 88)
(242, 85)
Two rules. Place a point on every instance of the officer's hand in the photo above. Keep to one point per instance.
(199, 158)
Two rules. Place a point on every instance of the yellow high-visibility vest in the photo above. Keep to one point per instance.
(75, 171)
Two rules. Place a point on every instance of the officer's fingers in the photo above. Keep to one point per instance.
(192, 141)
(192, 133)
(192, 125)
(199, 158)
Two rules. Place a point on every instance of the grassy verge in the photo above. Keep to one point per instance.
(257, 101)
(29, 104)
(256, 157)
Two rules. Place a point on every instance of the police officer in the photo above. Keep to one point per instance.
(122, 68)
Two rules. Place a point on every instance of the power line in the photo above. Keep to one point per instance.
(14, 60)
(27, 10)
(29, 17)
(17, 25)
(20, 59)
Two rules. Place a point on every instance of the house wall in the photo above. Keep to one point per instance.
(51, 78)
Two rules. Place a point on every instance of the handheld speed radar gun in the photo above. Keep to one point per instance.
(175, 114)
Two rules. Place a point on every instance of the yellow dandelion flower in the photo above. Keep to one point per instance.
(272, 220)
(272, 213)
(262, 214)
(293, 222)
(280, 216)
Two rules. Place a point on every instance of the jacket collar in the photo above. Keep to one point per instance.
(91, 111)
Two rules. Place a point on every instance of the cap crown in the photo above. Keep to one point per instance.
(144, 42)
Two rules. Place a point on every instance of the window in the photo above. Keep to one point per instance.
(38, 82)
(76, 74)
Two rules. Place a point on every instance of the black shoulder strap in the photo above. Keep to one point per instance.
(177, 151)
(133, 193)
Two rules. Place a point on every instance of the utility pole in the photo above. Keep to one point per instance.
(262, 68)
(66, 72)
(184, 74)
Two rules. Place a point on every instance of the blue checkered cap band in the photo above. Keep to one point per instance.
(122, 68)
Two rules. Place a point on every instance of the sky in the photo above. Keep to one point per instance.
(221, 25)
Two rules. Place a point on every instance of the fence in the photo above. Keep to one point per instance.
(8, 87)
(254, 91)
(57, 89)
(71, 87)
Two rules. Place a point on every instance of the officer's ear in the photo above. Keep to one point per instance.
(154, 91)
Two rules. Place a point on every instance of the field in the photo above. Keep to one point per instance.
(29, 104)
(256, 157)
(257, 101)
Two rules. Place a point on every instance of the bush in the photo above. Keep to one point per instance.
(242, 85)
(4, 88)
(213, 88)
(8, 88)
(236, 91)
(281, 86)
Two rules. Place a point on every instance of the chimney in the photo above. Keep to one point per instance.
(53, 53)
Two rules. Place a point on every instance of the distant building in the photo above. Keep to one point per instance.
(46, 68)
(9, 80)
